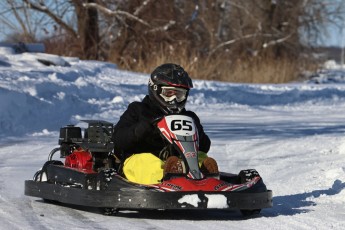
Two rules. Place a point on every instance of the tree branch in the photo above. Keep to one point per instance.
(274, 42)
(162, 28)
(19, 19)
(44, 9)
(115, 13)
(143, 5)
(231, 42)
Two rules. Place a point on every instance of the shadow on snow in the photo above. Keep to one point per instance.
(154, 214)
(290, 205)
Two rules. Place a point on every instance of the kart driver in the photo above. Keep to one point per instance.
(140, 145)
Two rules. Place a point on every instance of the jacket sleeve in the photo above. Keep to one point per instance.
(123, 136)
(204, 140)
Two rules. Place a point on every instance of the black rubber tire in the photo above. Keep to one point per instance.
(248, 213)
(109, 211)
(247, 175)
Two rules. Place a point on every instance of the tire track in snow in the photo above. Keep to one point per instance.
(19, 215)
(67, 217)
(33, 218)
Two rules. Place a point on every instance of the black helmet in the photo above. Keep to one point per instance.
(169, 86)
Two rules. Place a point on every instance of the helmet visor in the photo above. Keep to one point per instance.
(170, 93)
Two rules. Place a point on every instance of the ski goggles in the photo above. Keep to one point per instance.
(170, 93)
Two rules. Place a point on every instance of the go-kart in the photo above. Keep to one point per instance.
(90, 175)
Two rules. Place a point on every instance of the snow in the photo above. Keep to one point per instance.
(293, 134)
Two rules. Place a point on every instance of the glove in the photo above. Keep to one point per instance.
(142, 129)
(165, 153)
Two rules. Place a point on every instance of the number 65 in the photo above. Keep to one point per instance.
(181, 125)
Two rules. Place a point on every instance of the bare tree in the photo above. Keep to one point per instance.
(17, 23)
(88, 31)
(87, 24)
(139, 34)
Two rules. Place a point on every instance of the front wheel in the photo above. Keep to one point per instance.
(248, 213)
(247, 175)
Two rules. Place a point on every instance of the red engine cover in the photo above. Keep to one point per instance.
(79, 159)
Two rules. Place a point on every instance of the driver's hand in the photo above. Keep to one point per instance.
(164, 153)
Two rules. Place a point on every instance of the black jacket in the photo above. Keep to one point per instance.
(126, 139)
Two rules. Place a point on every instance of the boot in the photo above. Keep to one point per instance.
(174, 165)
(209, 166)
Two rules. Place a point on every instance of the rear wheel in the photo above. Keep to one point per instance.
(41, 175)
(109, 211)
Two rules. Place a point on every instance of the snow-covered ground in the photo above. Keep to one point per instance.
(293, 134)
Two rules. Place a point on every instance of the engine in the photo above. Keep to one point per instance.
(90, 151)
